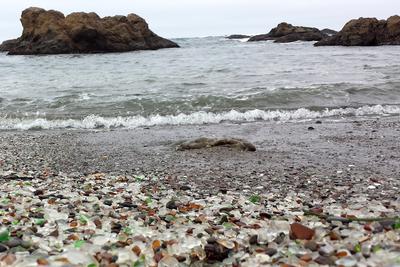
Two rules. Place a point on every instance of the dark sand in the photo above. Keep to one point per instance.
(356, 153)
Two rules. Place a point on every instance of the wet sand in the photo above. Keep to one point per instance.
(289, 156)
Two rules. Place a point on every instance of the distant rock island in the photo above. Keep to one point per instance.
(50, 32)
(286, 33)
(366, 32)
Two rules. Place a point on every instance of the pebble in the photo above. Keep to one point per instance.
(108, 202)
(8, 259)
(199, 229)
(171, 205)
(311, 245)
(326, 250)
(271, 251)
(116, 227)
(299, 231)
(215, 252)
(280, 238)
(348, 261)
(3, 248)
(128, 205)
(253, 240)
(168, 261)
(14, 242)
(324, 260)
(223, 191)
(185, 187)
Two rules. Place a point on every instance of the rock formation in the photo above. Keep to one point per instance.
(286, 33)
(50, 32)
(7, 45)
(329, 32)
(367, 32)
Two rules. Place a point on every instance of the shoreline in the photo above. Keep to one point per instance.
(359, 148)
(128, 198)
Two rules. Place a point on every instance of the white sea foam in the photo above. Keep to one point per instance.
(244, 40)
(95, 122)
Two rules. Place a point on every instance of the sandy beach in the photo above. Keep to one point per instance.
(128, 198)
(289, 156)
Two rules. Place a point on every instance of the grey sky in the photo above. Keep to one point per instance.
(188, 18)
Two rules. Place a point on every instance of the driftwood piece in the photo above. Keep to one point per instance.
(202, 143)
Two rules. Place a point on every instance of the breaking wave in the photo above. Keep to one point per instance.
(98, 122)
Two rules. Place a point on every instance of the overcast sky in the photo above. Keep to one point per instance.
(188, 18)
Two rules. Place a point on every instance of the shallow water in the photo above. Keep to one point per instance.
(208, 80)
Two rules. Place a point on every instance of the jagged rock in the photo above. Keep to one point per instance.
(366, 32)
(237, 36)
(202, 143)
(329, 32)
(286, 33)
(7, 45)
(261, 37)
(50, 32)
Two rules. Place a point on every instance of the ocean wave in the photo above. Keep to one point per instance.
(98, 122)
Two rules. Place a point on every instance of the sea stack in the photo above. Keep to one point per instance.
(286, 33)
(50, 32)
(366, 32)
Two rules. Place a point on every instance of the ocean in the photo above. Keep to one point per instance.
(207, 80)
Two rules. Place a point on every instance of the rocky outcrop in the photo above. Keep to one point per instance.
(50, 32)
(329, 32)
(202, 143)
(367, 32)
(7, 45)
(286, 33)
(237, 36)
(260, 37)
